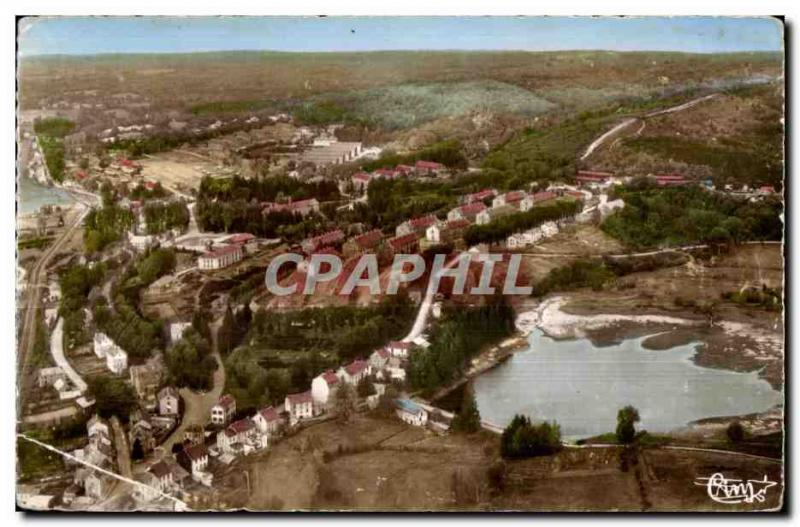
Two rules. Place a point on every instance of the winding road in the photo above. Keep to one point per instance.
(594, 145)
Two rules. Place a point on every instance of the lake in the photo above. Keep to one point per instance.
(31, 195)
(581, 386)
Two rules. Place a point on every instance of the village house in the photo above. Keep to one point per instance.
(163, 477)
(223, 411)
(360, 181)
(48, 376)
(379, 359)
(466, 212)
(302, 207)
(489, 215)
(328, 239)
(417, 226)
(145, 379)
(513, 199)
(97, 484)
(429, 168)
(406, 244)
(238, 436)
(399, 349)
(220, 258)
(141, 433)
(267, 420)
(96, 426)
(323, 386)
(670, 180)
(176, 330)
(480, 196)
(593, 178)
(367, 242)
(116, 358)
(299, 406)
(168, 401)
(354, 372)
(411, 413)
(449, 232)
(194, 459)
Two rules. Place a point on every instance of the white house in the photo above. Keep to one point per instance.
(219, 258)
(378, 359)
(411, 412)
(116, 360)
(241, 432)
(299, 406)
(267, 420)
(354, 372)
(223, 411)
(164, 479)
(194, 459)
(399, 349)
(323, 387)
(102, 343)
(96, 426)
(168, 401)
(176, 330)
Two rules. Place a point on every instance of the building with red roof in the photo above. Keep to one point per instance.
(354, 372)
(428, 167)
(367, 242)
(223, 411)
(468, 211)
(481, 195)
(323, 386)
(267, 420)
(416, 225)
(220, 258)
(299, 406)
(512, 198)
(406, 244)
(328, 239)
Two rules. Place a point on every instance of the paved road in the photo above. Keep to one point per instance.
(122, 448)
(57, 351)
(197, 405)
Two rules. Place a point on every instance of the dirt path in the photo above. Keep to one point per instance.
(594, 145)
(197, 405)
(123, 452)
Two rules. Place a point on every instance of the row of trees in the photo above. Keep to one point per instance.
(76, 281)
(105, 225)
(501, 228)
(161, 217)
(463, 333)
(50, 133)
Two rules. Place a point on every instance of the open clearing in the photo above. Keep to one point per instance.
(377, 464)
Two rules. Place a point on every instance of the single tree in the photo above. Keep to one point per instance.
(468, 418)
(626, 419)
(345, 401)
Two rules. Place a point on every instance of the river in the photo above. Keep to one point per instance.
(581, 386)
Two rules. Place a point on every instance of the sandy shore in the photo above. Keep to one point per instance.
(556, 323)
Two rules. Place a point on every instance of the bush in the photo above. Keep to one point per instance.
(735, 432)
(523, 439)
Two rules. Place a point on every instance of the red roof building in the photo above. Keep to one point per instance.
(479, 196)
(329, 238)
(428, 166)
(539, 197)
(405, 244)
(219, 258)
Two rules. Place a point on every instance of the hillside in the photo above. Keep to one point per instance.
(735, 138)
